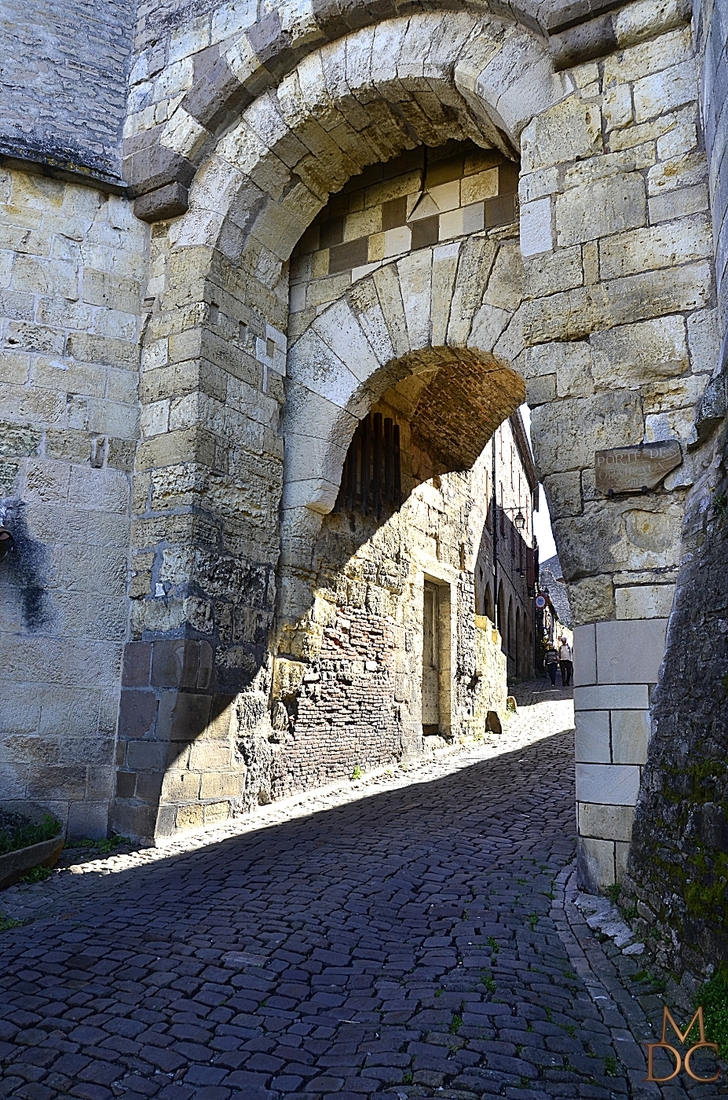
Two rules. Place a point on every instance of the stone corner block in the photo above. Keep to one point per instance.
(169, 201)
(609, 784)
(644, 601)
(585, 655)
(592, 737)
(595, 868)
(630, 736)
(611, 696)
(605, 822)
(630, 651)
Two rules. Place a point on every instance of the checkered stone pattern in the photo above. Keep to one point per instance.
(424, 197)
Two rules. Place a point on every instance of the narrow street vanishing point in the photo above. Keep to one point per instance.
(405, 937)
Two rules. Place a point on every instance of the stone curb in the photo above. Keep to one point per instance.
(621, 1012)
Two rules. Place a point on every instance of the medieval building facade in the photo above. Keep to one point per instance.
(271, 276)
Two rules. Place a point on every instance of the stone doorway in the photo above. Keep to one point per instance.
(430, 659)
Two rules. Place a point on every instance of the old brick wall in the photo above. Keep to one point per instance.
(65, 66)
(73, 263)
(345, 713)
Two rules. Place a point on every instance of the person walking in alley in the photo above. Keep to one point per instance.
(551, 660)
(566, 662)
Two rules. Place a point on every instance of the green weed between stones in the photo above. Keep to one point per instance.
(720, 506)
(457, 1023)
(15, 833)
(610, 1066)
(7, 923)
(357, 773)
(36, 874)
(658, 985)
(613, 892)
(714, 998)
(105, 845)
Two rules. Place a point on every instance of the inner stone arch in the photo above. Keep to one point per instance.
(378, 624)
(446, 401)
(362, 586)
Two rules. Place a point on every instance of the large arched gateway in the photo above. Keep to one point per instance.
(336, 212)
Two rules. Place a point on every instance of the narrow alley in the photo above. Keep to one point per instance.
(406, 937)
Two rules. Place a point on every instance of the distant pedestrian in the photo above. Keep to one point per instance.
(551, 660)
(566, 661)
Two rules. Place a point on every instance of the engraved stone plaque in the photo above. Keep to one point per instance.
(632, 469)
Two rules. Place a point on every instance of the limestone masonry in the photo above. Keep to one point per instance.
(275, 279)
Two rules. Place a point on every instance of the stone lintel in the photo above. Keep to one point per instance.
(34, 162)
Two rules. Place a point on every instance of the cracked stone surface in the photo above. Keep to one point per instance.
(414, 935)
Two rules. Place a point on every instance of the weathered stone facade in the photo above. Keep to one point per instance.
(678, 873)
(74, 264)
(255, 364)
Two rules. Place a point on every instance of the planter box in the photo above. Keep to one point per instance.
(13, 865)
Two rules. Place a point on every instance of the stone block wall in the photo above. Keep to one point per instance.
(65, 64)
(678, 869)
(617, 665)
(73, 266)
(621, 332)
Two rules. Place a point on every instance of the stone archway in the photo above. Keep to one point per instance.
(210, 467)
(507, 68)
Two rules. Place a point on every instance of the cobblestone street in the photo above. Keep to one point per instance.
(409, 935)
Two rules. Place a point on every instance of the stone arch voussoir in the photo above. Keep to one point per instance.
(161, 162)
(430, 315)
(363, 99)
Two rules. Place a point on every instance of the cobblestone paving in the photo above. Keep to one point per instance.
(412, 943)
